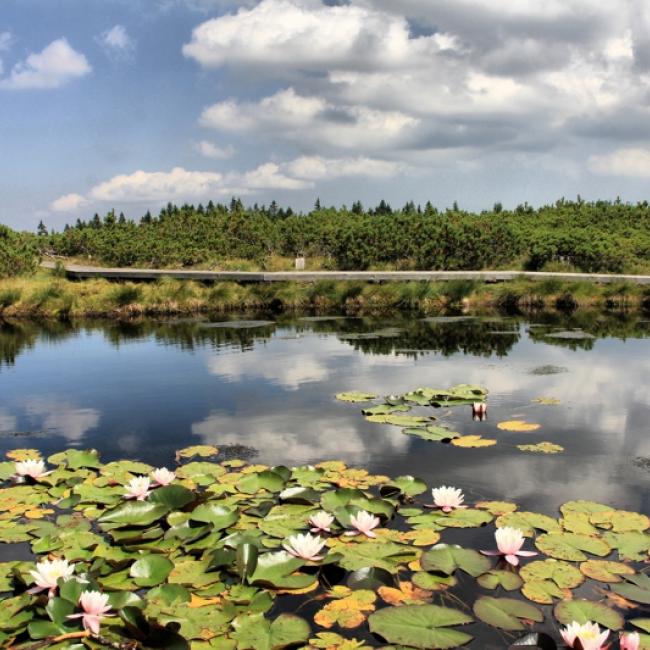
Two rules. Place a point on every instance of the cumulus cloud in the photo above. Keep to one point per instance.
(210, 150)
(54, 66)
(181, 184)
(310, 119)
(309, 35)
(68, 203)
(623, 162)
(318, 168)
(481, 77)
(117, 43)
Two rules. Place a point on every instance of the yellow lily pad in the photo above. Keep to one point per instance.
(468, 442)
(519, 426)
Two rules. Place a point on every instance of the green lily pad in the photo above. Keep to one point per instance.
(150, 570)
(386, 409)
(254, 632)
(630, 546)
(506, 613)
(447, 559)
(398, 420)
(635, 587)
(136, 513)
(278, 571)
(215, 513)
(571, 546)
(432, 433)
(499, 578)
(528, 522)
(354, 396)
(420, 626)
(583, 611)
(407, 485)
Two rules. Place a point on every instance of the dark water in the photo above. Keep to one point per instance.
(144, 390)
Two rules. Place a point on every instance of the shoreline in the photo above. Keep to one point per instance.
(48, 296)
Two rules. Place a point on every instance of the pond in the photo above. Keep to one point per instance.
(264, 388)
(143, 390)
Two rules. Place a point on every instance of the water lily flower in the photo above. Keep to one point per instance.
(95, 605)
(162, 476)
(306, 547)
(509, 543)
(138, 488)
(448, 498)
(363, 522)
(479, 411)
(47, 574)
(35, 469)
(589, 635)
(630, 641)
(321, 521)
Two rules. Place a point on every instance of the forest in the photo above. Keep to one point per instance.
(600, 236)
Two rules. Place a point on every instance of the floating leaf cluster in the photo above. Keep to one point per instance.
(202, 562)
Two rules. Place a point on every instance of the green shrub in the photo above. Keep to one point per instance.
(18, 253)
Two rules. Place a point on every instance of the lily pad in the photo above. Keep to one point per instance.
(150, 570)
(420, 626)
(571, 546)
(254, 632)
(473, 441)
(354, 396)
(606, 571)
(433, 433)
(636, 588)
(447, 559)
(542, 448)
(499, 578)
(518, 426)
(506, 613)
(583, 611)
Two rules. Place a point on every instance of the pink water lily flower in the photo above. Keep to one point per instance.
(363, 523)
(630, 641)
(448, 498)
(509, 543)
(95, 605)
(479, 411)
(138, 488)
(35, 469)
(47, 573)
(306, 547)
(162, 476)
(321, 522)
(589, 635)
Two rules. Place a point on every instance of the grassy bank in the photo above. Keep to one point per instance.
(45, 295)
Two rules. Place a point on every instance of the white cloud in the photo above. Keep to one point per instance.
(623, 162)
(474, 78)
(117, 43)
(307, 35)
(312, 120)
(318, 168)
(68, 203)
(211, 150)
(54, 66)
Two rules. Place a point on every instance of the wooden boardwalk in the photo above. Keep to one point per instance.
(83, 272)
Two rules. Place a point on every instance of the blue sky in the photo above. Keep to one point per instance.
(129, 104)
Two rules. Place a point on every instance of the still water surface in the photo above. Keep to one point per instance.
(144, 390)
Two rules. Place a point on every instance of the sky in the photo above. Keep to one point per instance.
(129, 104)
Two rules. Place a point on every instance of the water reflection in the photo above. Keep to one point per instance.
(146, 388)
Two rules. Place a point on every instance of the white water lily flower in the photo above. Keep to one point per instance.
(138, 488)
(364, 523)
(589, 635)
(321, 521)
(95, 605)
(47, 573)
(33, 468)
(162, 476)
(306, 547)
(448, 498)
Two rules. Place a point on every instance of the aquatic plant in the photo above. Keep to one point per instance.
(217, 557)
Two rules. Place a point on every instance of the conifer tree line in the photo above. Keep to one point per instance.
(601, 236)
